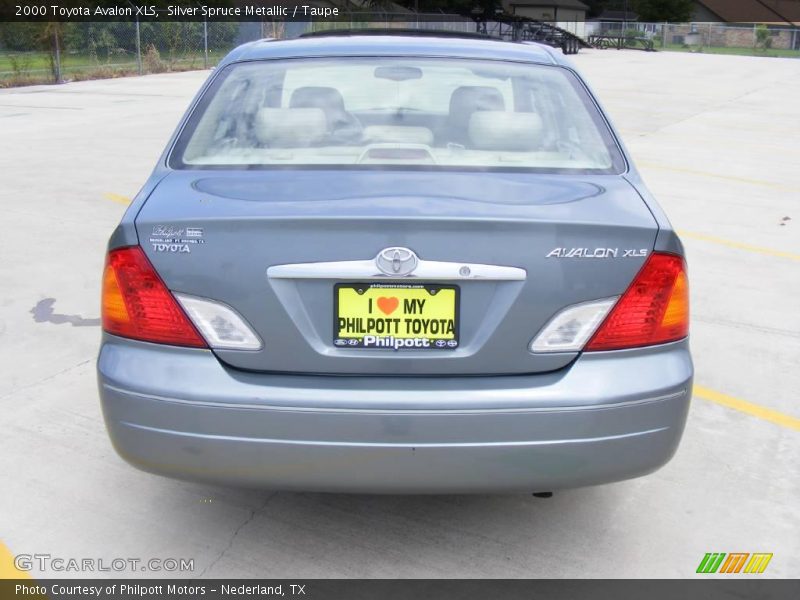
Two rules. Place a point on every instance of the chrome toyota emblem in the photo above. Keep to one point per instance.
(396, 261)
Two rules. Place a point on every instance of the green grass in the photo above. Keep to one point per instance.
(775, 52)
(33, 61)
(25, 60)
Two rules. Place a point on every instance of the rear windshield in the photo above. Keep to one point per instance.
(407, 112)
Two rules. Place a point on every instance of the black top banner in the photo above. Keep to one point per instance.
(158, 10)
(241, 10)
(779, 12)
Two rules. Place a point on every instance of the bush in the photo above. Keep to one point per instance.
(763, 37)
(20, 64)
(632, 34)
(152, 60)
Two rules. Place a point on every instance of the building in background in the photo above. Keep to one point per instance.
(739, 20)
(773, 12)
(567, 14)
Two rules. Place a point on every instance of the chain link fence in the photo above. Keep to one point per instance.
(32, 53)
(717, 38)
(35, 53)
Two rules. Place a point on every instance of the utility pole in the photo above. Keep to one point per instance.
(625, 19)
(138, 41)
(138, 47)
(205, 43)
(57, 63)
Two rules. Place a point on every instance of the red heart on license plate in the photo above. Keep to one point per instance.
(388, 305)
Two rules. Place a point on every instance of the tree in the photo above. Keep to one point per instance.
(596, 7)
(23, 37)
(676, 11)
(462, 7)
(763, 37)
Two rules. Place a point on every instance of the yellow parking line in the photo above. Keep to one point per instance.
(117, 198)
(7, 568)
(738, 245)
(754, 410)
(761, 182)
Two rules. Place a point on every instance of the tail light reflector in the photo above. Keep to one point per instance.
(219, 324)
(569, 330)
(653, 310)
(136, 303)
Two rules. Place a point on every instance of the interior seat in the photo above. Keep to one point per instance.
(289, 127)
(505, 131)
(343, 127)
(466, 101)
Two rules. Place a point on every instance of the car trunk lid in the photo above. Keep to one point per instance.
(260, 241)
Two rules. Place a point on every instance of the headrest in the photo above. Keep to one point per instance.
(290, 127)
(476, 97)
(326, 98)
(512, 131)
(398, 134)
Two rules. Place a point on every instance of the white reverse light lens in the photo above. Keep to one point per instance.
(570, 329)
(220, 325)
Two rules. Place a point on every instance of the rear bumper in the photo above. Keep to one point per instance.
(610, 416)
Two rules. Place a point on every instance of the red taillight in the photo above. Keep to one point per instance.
(136, 303)
(653, 310)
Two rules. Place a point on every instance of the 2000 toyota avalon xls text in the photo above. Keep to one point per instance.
(387, 263)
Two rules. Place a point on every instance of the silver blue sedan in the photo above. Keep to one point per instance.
(397, 264)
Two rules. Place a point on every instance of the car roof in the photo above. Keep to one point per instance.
(396, 45)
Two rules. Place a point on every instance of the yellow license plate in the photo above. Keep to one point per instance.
(395, 316)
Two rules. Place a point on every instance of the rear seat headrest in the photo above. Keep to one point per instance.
(470, 98)
(465, 101)
(290, 127)
(328, 99)
(498, 130)
(317, 97)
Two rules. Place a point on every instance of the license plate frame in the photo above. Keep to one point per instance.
(446, 338)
